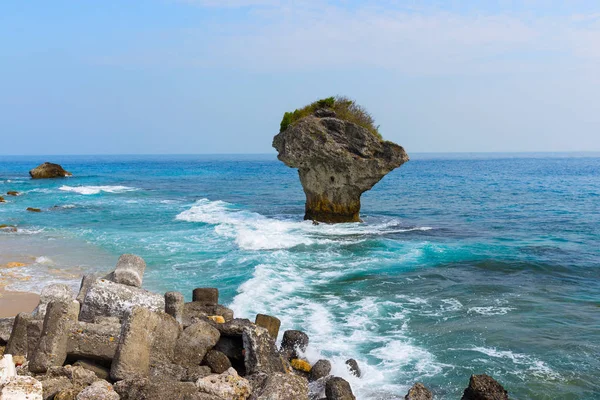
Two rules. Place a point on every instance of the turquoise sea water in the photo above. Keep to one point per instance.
(464, 264)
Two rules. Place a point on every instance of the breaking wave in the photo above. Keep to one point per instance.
(88, 190)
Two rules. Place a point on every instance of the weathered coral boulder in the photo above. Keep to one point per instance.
(337, 161)
(49, 170)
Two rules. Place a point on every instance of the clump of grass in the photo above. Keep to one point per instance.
(344, 107)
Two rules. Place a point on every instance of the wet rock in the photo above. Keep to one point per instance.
(337, 161)
(146, 337)
(228, 385)
(320, 369)
(281, 386)
(206, 296)
(6, 326)
(270, 323)
(2, 200)
(8, 228)
(135, 388)
(418, 392)
(174, 303)
(338, 389)
(100, 371)
(100, 390)
(195, 341)
(109, 299)
(93, 341)
(294, 343)
(129, 270)
(217, 361)
(316, 388)
(21, 388)
(353, 367)
(54, 292)
(51, 349)
(48, 170)
(33, 209)
(260, 353)
(484, 387)
(12, 193)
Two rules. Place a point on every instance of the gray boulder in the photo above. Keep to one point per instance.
(135, 388)
(130, 270)
(54, 292)
(320, 369)
(93, 341)
(195, 341)
(484, 387)
(86, 283)
(17, 343)
(418, 392)
(260, 353)
(281, 386)
(293, 343)
(146, 337)
(48, 170)
(6, 326)
(337, 161)
(217, 361)
(51, 349)
(338, 389)
(353, 367)
(109, 299)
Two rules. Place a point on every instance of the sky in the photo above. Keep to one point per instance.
(216, 76)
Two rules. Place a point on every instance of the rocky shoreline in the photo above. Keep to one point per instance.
(115, 340)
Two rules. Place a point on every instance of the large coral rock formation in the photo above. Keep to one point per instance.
(337, 161)
(48, 170)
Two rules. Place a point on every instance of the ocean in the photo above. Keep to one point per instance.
(465, 263)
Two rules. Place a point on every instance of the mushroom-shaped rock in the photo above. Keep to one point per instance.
(49, 170)
(337, 159)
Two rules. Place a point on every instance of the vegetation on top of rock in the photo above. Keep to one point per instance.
(344, 108)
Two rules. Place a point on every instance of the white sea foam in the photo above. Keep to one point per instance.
(253, 231)
(491, 310)
(534, 366)
(88, 190)
(44, 260)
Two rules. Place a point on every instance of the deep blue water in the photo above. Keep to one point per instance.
(464, 264)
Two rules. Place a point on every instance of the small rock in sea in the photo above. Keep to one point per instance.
(338, 389)
(217, 361)
(270, 323)
(129, 270)
(353, 367)
(48, 170)
(320, 369)
(8, 228)
(315, 222)
(418, 392)
(32, 209)
(300, 365)
(292, 342)
(12, 193)
(2, 200)
(484, 387)
(206, 296)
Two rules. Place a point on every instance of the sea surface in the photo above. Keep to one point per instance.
(465, 263)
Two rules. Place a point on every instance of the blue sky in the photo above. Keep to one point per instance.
(215, 76)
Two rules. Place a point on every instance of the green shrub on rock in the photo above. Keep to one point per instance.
(345, 109)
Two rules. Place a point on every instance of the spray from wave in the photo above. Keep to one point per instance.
(89, 190)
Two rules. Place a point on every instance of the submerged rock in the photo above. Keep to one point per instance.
(48, 170)
(337, 161)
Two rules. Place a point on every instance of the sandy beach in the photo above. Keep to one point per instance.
(12, 303)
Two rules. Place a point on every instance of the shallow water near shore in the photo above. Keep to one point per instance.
(464, 264)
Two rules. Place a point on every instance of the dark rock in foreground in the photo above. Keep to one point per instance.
(418, 392)
(337, 161)
(484, 387)
(48, 170)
